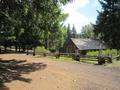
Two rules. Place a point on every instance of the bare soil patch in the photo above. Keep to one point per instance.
(33, 73)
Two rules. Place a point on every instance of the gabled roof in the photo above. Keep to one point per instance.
(88, 44)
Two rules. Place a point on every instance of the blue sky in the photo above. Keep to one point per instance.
(81, 12)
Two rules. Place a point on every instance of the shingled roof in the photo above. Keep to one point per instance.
(88, 44)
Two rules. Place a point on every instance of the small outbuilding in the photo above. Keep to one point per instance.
(81, 44)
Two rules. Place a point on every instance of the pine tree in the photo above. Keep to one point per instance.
(108, 23)
(74, 33)
(87, 31)
(68, 32)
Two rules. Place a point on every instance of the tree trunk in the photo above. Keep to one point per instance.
(118, 51)
(46, 43)
(27, 51)
(5, 48)
(0, 49)
(46, 40)
(19, 49)
(23, 48)
(118, 54)
(34, 51)
(16, 48)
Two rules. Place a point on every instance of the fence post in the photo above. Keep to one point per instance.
(57, 54)
(77, 55)
(101, 60)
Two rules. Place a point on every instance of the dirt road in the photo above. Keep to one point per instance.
(33, 73)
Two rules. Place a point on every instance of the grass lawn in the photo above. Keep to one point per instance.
(63, 59)
(69, 59)
(89, 61)
(114, 64)
(82, 60)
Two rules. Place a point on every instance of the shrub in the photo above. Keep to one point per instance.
(93, 53)
(103, 52)
(41, 50)
(52, 50)
(83, 52)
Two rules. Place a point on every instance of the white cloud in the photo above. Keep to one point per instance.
(75, 17)
(78, 20)
(71, 6)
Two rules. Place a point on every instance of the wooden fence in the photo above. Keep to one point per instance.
(101, 59)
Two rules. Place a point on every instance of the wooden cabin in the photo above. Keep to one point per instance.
(80, 44)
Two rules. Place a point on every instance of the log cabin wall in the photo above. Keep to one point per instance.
(81, 44)
(70, 47)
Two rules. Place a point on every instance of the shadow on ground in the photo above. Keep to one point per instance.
(11, 70)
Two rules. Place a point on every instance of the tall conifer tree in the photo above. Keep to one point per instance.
(108, 23)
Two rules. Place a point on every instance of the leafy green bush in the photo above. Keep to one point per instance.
(93, 53)
(103, 52)
(52, 50)
(41, 50)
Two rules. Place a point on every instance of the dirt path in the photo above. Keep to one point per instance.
(32, 73)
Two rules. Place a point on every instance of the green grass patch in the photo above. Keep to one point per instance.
(69, 59)
(2, 85)
(89, 61)
(41, 50)
(82, 60)
(114, 64)
(63, 59)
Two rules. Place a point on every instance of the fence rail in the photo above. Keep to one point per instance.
(101, 59)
